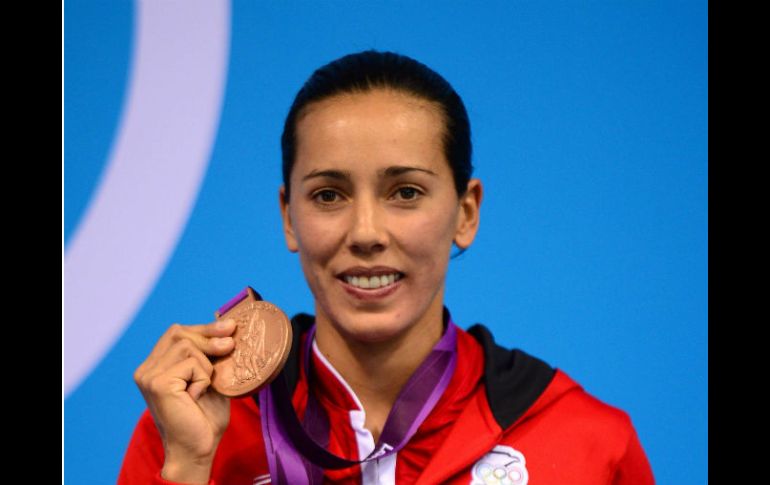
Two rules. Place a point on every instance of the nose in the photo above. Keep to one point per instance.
(368, 233)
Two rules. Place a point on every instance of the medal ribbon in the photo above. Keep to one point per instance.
(296, 452)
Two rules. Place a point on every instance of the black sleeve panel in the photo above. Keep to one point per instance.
(514, 379)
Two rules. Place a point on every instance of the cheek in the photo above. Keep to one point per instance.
(428, 238)
(317, 239)
(316, 248)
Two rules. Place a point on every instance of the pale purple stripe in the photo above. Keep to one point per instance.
(266, 418)
(286, 467)
(392, 430)
(234, 301)
(149, 187)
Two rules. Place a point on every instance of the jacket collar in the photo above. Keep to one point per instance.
(514, 380)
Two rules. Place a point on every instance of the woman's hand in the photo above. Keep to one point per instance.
(174, 381)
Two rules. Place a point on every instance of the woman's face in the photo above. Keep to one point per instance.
(373, 212)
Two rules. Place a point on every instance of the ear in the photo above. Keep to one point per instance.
(468, 215)
(288, 230)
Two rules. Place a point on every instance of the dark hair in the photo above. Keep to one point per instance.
(368, 70)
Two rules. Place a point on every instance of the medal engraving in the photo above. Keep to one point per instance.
(262, 342)
(249, 356)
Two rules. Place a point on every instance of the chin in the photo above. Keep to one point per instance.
(369, 327)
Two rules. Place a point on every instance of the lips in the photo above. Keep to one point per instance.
(376, 278)
(364, 271)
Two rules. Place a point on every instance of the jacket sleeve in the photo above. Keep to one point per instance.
(144, 457)
(633, 468)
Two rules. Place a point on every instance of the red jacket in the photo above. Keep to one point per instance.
(505, 418)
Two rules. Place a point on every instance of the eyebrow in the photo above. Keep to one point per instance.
(332, 174)
(393, 171)
(399, 170)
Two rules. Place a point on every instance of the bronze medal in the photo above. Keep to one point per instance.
(262, 342)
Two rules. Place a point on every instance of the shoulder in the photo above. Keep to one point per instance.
(571, 436)
(522, 388)
(572, 409)
(547, 419)
(586, 434)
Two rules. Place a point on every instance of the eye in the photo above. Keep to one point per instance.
(407, 193)
(326, 196)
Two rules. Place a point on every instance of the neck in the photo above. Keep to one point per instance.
(377, 371)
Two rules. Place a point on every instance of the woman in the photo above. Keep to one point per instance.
(377, 189)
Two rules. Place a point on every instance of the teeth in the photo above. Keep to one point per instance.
(372, 281)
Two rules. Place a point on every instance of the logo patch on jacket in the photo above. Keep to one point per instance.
(501, 466)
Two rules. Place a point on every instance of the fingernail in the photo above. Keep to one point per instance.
(223, 324)
(224, 342)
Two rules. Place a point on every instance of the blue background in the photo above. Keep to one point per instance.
(590, 128)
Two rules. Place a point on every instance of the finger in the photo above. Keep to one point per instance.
(180, 351)
(177, 378)
(199, 334)
(167, 365)
(212, 339)
(220, 328)
(196, 378)
(160, 349)
(198, 385)
(216, 346)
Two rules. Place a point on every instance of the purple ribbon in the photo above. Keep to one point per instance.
(296, 452)
(237, 299)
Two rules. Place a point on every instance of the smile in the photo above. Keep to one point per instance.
(372, 282)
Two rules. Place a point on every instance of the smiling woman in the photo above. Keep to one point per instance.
(354, 206)
(377, 191)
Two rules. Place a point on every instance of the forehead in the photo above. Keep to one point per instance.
(377, 99)
(377, 127)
